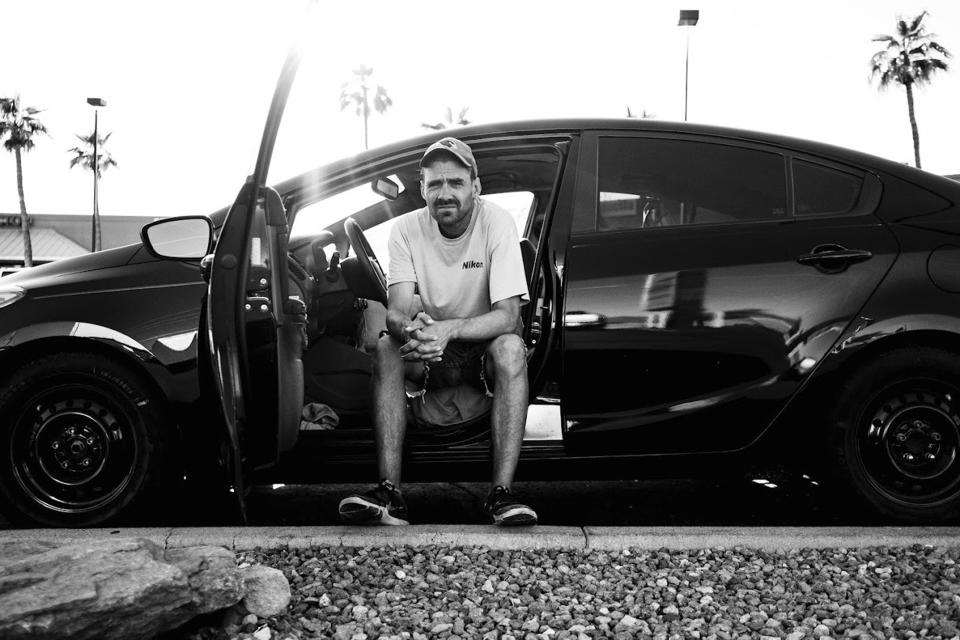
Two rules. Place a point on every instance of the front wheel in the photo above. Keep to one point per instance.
(896, 435)
(82, 441)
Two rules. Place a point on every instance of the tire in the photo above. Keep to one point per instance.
(895, 435)
(82, 441)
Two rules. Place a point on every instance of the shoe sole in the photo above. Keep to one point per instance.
(516, 517)
(356, 510)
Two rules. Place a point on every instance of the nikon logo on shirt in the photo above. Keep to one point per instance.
(473, 264)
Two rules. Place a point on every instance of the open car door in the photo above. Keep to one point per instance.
(256, 329)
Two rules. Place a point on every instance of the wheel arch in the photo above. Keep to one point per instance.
(851, 358)
(804, 423)
(21, 347)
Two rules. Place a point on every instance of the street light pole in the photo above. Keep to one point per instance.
(95, 223)
(688, 18)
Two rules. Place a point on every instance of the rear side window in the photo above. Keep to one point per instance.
(820, 190)
(652, 182)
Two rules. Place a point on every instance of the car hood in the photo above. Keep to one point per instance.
(81, 264)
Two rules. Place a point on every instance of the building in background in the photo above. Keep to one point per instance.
(62, 236)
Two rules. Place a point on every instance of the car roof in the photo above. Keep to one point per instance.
(569, 126)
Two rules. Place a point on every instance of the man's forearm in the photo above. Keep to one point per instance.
(486, 327)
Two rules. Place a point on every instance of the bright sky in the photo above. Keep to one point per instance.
(188, 82)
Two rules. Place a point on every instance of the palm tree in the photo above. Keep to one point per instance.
(461, 120)
(19, 125)
(356, 92)
(643, 114)
(83, 156)
(909, 58)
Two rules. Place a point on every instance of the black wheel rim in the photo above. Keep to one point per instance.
(73, 448)
(909, 442)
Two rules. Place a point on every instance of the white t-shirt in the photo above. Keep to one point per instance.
(459, 277)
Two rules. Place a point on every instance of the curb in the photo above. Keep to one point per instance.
(536, 538)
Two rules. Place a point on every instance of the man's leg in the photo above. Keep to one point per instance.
(385, 504)
(507, 365)
(389, 405)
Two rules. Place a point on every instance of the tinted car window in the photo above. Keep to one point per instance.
(823, 190)
(651, 182)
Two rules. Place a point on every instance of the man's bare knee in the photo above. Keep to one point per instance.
(386, 357)
(508, 355)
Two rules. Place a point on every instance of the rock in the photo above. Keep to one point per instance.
(345, 631)
(626, 623)
(266, 590)
(263, 633)
(212, 575)
(109, 588)
(359, 613)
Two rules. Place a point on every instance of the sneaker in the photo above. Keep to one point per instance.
(506, 511)
(382, 505)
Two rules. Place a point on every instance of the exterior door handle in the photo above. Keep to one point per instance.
(832, 255)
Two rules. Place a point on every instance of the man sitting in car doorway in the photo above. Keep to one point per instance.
(462, 255)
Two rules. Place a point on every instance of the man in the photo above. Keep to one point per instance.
(462, 255)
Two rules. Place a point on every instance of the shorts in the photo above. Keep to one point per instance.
(463, 363)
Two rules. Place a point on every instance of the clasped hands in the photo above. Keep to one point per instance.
(425, 338)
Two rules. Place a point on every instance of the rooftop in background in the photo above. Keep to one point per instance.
(55, 236)
(47, 244)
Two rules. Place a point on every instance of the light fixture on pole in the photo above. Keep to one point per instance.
(95, 224)
(688, 18)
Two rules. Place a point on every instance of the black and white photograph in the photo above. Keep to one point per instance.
(506, 321)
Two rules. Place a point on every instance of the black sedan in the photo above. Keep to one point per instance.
(699, 295)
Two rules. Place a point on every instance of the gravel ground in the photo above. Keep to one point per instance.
(439, 592)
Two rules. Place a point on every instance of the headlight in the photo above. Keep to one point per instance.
(9, 295)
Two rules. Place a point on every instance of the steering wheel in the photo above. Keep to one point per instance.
(375, 283)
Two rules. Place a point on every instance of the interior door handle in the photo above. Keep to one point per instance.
(834, 256)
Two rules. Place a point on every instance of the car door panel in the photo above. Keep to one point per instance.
(692, 338)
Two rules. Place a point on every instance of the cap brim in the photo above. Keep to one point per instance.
(429, 154)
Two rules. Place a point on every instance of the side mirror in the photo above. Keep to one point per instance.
(183, 238)
(386, 188)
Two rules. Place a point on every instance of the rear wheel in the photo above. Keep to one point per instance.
(896, 435)
(82, 441)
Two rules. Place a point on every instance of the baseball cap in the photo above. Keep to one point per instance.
(453, 146)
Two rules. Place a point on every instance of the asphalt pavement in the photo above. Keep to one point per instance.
(776, 508)
(777, 499)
